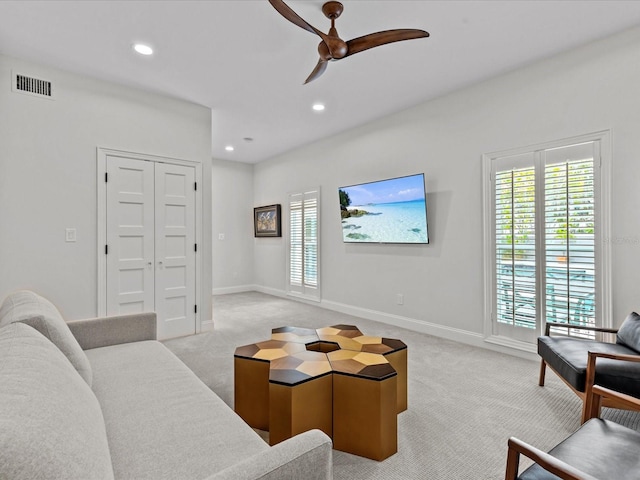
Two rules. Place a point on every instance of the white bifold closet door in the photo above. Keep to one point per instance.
(151, 242)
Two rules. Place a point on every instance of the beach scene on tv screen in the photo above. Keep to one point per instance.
(388, 211)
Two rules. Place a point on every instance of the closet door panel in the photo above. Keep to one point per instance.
(175, 249)
(130, 236)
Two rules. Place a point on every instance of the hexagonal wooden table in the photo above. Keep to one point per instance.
(349, 385)
(350, 337)
(251, 378)
(365, 418)
(300, 395)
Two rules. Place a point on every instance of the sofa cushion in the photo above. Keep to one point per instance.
(161, 420)
(39, 313)
(629, 332)
(51, 425)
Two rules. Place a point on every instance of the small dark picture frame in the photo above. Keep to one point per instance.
(266, 221)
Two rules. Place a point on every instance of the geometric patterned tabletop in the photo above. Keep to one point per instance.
(298, 354)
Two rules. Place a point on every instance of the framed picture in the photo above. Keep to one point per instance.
(266, 221)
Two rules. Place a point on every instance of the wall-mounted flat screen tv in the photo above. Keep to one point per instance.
(386, 211)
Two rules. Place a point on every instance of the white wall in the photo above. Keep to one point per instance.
(232, 194)
(586, 90)
(48, 176)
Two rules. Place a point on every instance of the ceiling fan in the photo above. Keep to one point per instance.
(332, 47)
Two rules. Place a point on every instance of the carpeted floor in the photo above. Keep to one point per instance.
(464, 402)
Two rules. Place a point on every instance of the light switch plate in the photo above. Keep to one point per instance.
(70, 235)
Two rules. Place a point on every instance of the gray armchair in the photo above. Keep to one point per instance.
(599, 449)
(573, 359)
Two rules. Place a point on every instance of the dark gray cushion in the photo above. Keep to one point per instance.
(39, 313)
(568, 356)
(629, 332)
(600, 448)
(51, 425)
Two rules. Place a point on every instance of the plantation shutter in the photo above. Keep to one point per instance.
(310, 234)
(303, 244)
(570, 234)
(515, 239)
(544, 239)
(295, 240)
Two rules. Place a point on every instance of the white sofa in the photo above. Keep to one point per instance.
(102, 399)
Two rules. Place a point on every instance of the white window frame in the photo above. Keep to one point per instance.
(603, 232)
(304, 291)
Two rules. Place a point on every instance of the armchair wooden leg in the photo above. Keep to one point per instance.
(543, 369)
(590, 407)
(513, 460)
(591, 402)
(586, 408)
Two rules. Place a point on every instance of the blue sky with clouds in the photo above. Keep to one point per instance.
(402, 189)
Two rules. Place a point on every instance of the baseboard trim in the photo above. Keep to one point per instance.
(206, 326)
(421, 326)
(270, 291)
(235, 289)
(497, 344)
(512, 344)
(290, 296)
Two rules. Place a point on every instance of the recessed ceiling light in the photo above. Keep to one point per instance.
(143, 49)
(318, 107)
(229, 148)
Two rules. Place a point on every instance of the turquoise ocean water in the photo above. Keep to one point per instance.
(400, 222)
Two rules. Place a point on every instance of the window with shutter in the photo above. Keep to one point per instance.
(569, 229)
(303, 244)
(515, 237)
(544, 226)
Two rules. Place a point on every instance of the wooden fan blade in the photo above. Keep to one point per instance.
(319, 70)
(286, 11)
(382, 38)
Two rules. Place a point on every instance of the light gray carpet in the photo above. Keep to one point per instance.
(464, 402)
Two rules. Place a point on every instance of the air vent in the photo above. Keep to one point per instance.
(31, 86)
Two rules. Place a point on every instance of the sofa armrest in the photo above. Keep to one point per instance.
(104, 331)
(308, 455)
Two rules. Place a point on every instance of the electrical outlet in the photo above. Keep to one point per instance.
(70, 235)
(400, 299)
(221, 236)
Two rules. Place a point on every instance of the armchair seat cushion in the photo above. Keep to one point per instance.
(568, 356)
(600, 448)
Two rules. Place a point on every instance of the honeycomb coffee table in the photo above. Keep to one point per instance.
(349, 385)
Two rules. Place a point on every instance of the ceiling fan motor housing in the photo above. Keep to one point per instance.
(332, 10)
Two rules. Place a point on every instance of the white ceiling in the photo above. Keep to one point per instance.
(247, 63)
